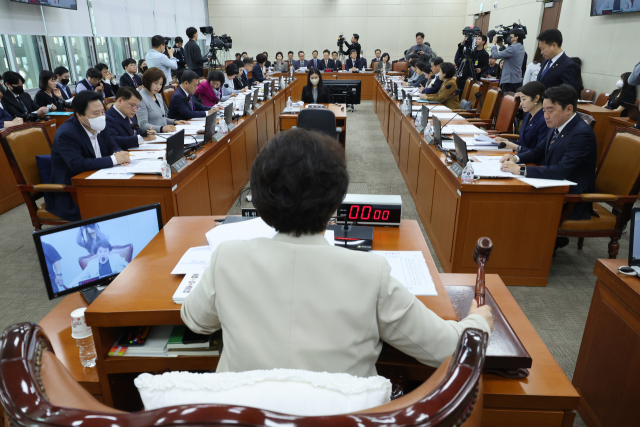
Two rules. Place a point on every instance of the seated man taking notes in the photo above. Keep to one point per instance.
(568, 152)
(301, 303)
(80, 146)
(185, 106)
(122, 123)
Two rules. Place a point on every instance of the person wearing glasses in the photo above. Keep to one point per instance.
(153, 112)
(122, 123)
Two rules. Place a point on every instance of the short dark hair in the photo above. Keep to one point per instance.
(314, 51)
(43, 81)
(437, 61)
(290, 52)
(60, 70)
(266, 53)
(261, 58)
(420, 33)
(82, 100)
(126, 92)
(191, 31)
(423, 66)
(448, 69)
(103, 244)
(484, 38)
(279, 53)
(352, 51)
(298, 181)
(326, 51)
(387, 55)
(550, 37)
(231, 69)
(518, 33)
(239, 63)
(153, 74)
(533, 89)
(244, 53)
(93, 73)
(157, 41)
(413, 62)
(377, 50)
(101, 66)
(300, 51)
(178, 40)
(128, 62)
(238, 54)
(188, 76)
(563, 95)
(414, 56)
(357, 37)
(216, 76)
(247, 60)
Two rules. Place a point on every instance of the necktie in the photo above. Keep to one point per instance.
(553, 138)
(546, 69)
(191, 102)
(135, 83)
(21, 103)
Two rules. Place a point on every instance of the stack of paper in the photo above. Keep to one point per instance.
(490, 170)
(195, 259)
(244, 230)
(189, 282)
(110, 173)
(154, 346)
(545, 183)
(142, 166)
(462, 129)
(410, 269)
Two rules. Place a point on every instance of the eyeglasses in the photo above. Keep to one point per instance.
(133, 106)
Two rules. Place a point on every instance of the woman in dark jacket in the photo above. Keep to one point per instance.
(625, 93)
(49, 94)
(313, 92)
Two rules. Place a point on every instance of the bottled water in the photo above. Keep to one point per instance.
(87, 351)
(289, 102)
(223, 128)
(418, 120)
(165, 169)
(467, 173)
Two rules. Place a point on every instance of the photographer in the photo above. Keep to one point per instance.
(192, 52)
(513, 56)
(156, 57)
(178, 52)
(354, 45)
(420, 48)
(479, 57)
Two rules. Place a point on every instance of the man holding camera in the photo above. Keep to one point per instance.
(354, 45)
(192, 53)
(513, 56)
(156, 57)
(420, 48)
(479, 58)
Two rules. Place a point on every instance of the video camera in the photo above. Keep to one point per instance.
(470, 34)
(341, 42)
(223, 42)
(504, 31)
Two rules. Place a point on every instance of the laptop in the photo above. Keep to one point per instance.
(228, 114)
(634, 241)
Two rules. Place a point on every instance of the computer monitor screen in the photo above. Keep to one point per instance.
(267, 88)
(255, 99)
(93, 252)
(247, 103)
(436, 131)
(425, 115)
(175, 147)
(462, 156)
(410, 98)
(209, 127)
(343, 91)
(634, 238)
(228, 113)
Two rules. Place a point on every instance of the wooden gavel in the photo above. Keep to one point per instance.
(481, 253)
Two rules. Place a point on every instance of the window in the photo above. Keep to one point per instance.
(119, 54)
(146, 45)
(81, 55)
(102, 50)
(4, 61)
(134, 45)
(27, 59)
(57, 49)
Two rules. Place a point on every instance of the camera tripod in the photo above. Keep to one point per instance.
(467, 63)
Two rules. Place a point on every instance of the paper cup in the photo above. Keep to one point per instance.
(79, 328)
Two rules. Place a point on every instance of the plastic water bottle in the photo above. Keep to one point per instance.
(281, 84)
(165, 169)
(223, 128)
(467, 173)
(289, 102)
(418, 121)
(87, 351)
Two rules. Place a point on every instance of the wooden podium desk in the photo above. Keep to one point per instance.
(607, 374)
(287, 121)
(366, 89)
(210, 183)
(601, 115)
(521, 220)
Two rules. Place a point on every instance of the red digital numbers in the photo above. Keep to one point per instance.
(365, 214)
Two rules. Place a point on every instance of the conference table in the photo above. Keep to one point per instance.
(287, 121)
(141, 295)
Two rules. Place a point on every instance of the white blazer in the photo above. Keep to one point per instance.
(116, 262)
(299, 303)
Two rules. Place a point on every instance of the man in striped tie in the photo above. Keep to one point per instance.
(130, 77)
(184, 105)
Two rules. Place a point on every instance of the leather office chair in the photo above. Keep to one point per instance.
(321, 120)
(587, 95)
(476, 105)
(617, 185)
(400, 66)
(38, 391)
(21, 145)
(167, 93)
(125, 251)
(467, 88)
(505, 118)
(488, 111)
(108, 105)
(588, 119)
(602, 100)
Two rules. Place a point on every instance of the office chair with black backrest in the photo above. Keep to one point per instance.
(321, 120)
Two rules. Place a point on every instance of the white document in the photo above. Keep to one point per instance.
(198, 119)
(148, 147)
(140, 155)
(445, 116)
(488, 159)
(195, 259)
(544, 183)
(462, 129)
(159, 139)
(441, 108)
(142, 166)
(189, 282)
(244, 230)
(410, 269)
(490, 170)
(483, 137)
(110, 174)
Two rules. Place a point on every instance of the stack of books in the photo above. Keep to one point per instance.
(184, 342)
(168, 341)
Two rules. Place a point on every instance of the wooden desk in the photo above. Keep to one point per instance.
(287, 121)
(210, 183)
(607, 373)
(58, 119)
(456, 215)
(367, 87)
(601, 115)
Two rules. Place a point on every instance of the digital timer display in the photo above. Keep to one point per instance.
(370, 214)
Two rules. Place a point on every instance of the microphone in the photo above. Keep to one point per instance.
(457, 92)
(478, 96)
(135, 127)
(502, 145)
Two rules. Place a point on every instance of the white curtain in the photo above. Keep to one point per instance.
(16, 18)
(165, 17)
(110, 17)
(141, 19)
(63, 22)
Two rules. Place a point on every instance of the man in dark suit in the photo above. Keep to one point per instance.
(568, 152)
(130, 77)
(315, 61)
(247, 66)
(6, 119)
(184, 105)
(353, 63)
(336, 61)
(378, 58)
(301, 62)
(15, 100)
(62, 79)
(257, 76)
(557, 68)
(122, 124)
(354, 45)
(80, 146)
(192, 53)
(108, 81)
(326, 63)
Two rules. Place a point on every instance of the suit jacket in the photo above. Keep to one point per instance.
(280, 67)
(116, 262)
(277, 308)
(256, 73)
(13, 107)
(307, 96)
(110, 89)
(193, 56)
(513, 58)
(338, 64)
(444, 93)
(358, 64)
(64, 91)
(4, 117)
(244, 78)
(126, 80)
(152, 114)
(573, 156)
(119, 128)
(180, 108)
(330, 65)
(85, 85)
(435, 83)
(532, 131)
(43, 99)
(379, 65)
(206, 93)
(316, 64)
(563, 71)
(71, 154)
(297, 64)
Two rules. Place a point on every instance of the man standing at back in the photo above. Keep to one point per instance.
(557, 68)
(420, 46)
(156, 57)
(511, 78)
(192, 53)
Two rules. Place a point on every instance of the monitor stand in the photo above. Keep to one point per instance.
(92, 293)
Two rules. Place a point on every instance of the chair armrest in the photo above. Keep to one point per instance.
(513, 136)
(596, 197)
(48, 188)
